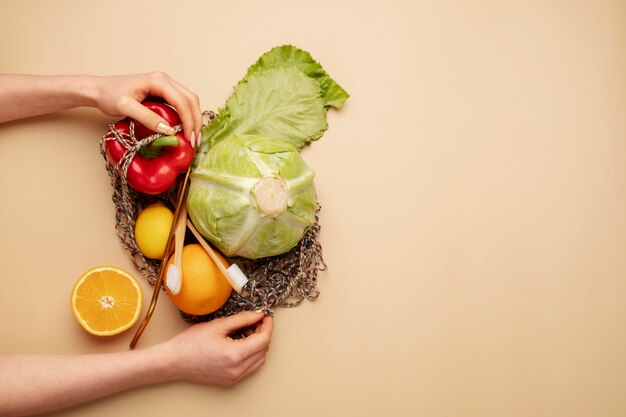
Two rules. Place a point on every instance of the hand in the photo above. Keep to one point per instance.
(122, 96)
(206, 354)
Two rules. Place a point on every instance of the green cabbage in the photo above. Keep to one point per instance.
(251, 194)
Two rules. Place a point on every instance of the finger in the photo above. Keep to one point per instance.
(165, 87)
(196, 109)
(265, 326)
(253, 368)
(238, 321)
(183, 108)
(251, 360)
(260, 340)
(145, 116)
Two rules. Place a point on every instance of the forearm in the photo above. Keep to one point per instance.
(31, 384)
(31, 95)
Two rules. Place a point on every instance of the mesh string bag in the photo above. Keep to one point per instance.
(278, 281)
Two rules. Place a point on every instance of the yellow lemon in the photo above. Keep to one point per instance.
(204, 288)
(106, 300)
(152, 229)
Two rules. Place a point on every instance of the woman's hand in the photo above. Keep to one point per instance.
(122, 96)
(204, 353)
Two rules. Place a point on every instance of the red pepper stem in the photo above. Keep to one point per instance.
(152, 150)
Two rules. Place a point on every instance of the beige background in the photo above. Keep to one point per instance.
(473, 192)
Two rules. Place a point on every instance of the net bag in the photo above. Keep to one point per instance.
(278, 281)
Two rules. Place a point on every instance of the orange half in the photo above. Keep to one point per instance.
(106, 300)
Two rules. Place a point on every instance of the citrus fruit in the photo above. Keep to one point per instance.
(204, 288)
(152, 229)
(106, 300)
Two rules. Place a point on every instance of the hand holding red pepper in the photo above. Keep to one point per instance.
(121, 96)
(156, 166)
(117, 95)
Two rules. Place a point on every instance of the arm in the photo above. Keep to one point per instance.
(32, 95)
(204, 353)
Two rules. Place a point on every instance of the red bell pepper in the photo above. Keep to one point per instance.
(155, 167)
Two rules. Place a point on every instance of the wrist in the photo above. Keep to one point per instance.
(88, 90)
(163, 362)
(68, 91)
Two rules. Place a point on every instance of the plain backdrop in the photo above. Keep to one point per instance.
(473, 194)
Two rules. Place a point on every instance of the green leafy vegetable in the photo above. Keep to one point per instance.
(253, 197)
(251, 194)
(284, 95)
(289, 56)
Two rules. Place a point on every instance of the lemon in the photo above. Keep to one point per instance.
(152, 229)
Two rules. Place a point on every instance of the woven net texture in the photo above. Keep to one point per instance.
(278, 281)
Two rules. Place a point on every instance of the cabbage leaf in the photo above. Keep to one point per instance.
(284, 95)
(287, 56)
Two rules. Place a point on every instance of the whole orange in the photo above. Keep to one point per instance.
(204, 288)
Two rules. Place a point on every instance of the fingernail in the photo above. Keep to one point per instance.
(193, 139)
(165, 129)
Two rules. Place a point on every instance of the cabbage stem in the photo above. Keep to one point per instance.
(270, 195)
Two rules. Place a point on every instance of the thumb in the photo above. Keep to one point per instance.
(238, 321)
(146, 117)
